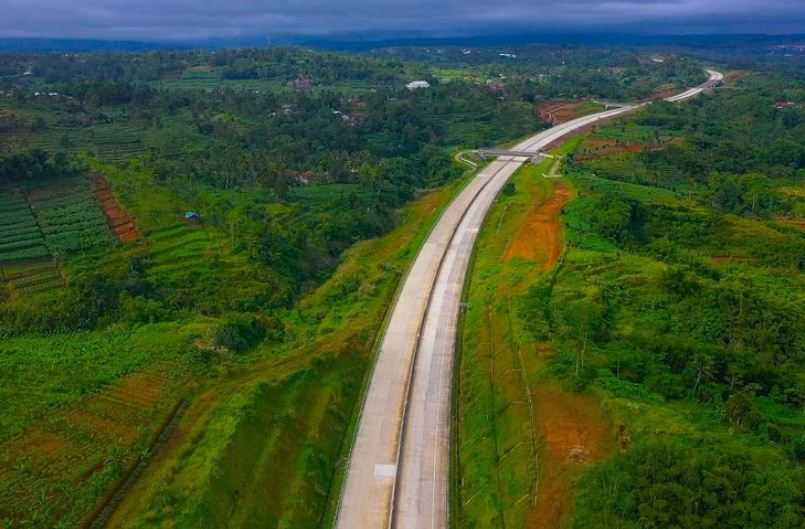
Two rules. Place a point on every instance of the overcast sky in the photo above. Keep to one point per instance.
(186, 19)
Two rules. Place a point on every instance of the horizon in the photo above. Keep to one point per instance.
(178, 21)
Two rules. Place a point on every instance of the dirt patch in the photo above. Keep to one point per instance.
(576, 432)
(729, 259)
(539, 237)
(118, 219)
(796, 223)
(556, 112)
(662, 94)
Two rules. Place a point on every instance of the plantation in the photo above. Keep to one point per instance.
(68, 215)
(20, 236)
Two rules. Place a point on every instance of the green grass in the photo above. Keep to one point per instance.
(496, 467)
(44, 373)
(281, 427)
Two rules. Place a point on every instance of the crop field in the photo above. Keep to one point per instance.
(78, 411)
(180, 249)
(20, 236)
(25, 261)
(69, 216)
(109, 142)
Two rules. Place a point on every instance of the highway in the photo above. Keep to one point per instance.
(398, 470)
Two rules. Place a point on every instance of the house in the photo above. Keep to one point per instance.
(301, 83)
(780, 105)
(192, 216)
(414, 85)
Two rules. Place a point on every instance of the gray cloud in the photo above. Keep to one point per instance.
(183, 19)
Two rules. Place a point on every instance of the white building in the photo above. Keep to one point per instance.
(414, 85)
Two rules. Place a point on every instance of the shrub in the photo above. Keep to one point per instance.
(240, 333)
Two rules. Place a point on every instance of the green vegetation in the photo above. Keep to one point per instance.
(249, 327)
(678, 305)
(292, 405)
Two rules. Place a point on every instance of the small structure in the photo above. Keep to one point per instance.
(192, 216)
(415, 85)
(780, 105)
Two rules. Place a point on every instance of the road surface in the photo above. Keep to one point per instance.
(398, 471)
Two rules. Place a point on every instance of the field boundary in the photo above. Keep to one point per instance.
(106, 508)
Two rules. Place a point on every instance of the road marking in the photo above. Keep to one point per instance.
(385, 471)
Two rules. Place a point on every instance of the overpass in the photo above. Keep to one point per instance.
(489, 152)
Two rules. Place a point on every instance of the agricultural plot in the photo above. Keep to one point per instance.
(121, 224)
(69, 216)
(187, 254)
(25, 261)
(73, 454)
(179, 248)
(20, 237)
(112, 142)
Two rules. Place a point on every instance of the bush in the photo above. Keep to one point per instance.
(691, 483)
(240, 333)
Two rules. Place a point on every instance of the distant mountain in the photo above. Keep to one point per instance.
(369, 41)
(78, 45)
(373, 41)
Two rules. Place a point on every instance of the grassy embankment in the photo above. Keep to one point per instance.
(264, 443)
(516, 430)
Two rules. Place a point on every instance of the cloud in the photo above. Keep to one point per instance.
(193, 19)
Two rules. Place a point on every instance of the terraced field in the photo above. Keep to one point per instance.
(25, 261)
(177, 249)
(69, 216)
(20, 236)
(113, 142)
(120, 222)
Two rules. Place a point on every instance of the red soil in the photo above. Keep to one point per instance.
(576, 432)
(118, 219)
(539, 237)
(556, 112)
(595, 148)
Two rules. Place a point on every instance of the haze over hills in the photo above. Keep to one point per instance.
(367, 41)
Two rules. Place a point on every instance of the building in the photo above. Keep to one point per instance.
(414, 85)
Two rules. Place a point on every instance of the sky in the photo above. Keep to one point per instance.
(168, 20)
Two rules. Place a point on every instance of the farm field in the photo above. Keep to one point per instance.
(69, 216)
(26, 264)
(84, 406)
(557, 112)
(110, 143)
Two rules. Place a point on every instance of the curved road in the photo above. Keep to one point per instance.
(398, 470)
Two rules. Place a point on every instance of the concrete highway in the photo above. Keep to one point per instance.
(398, 470)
